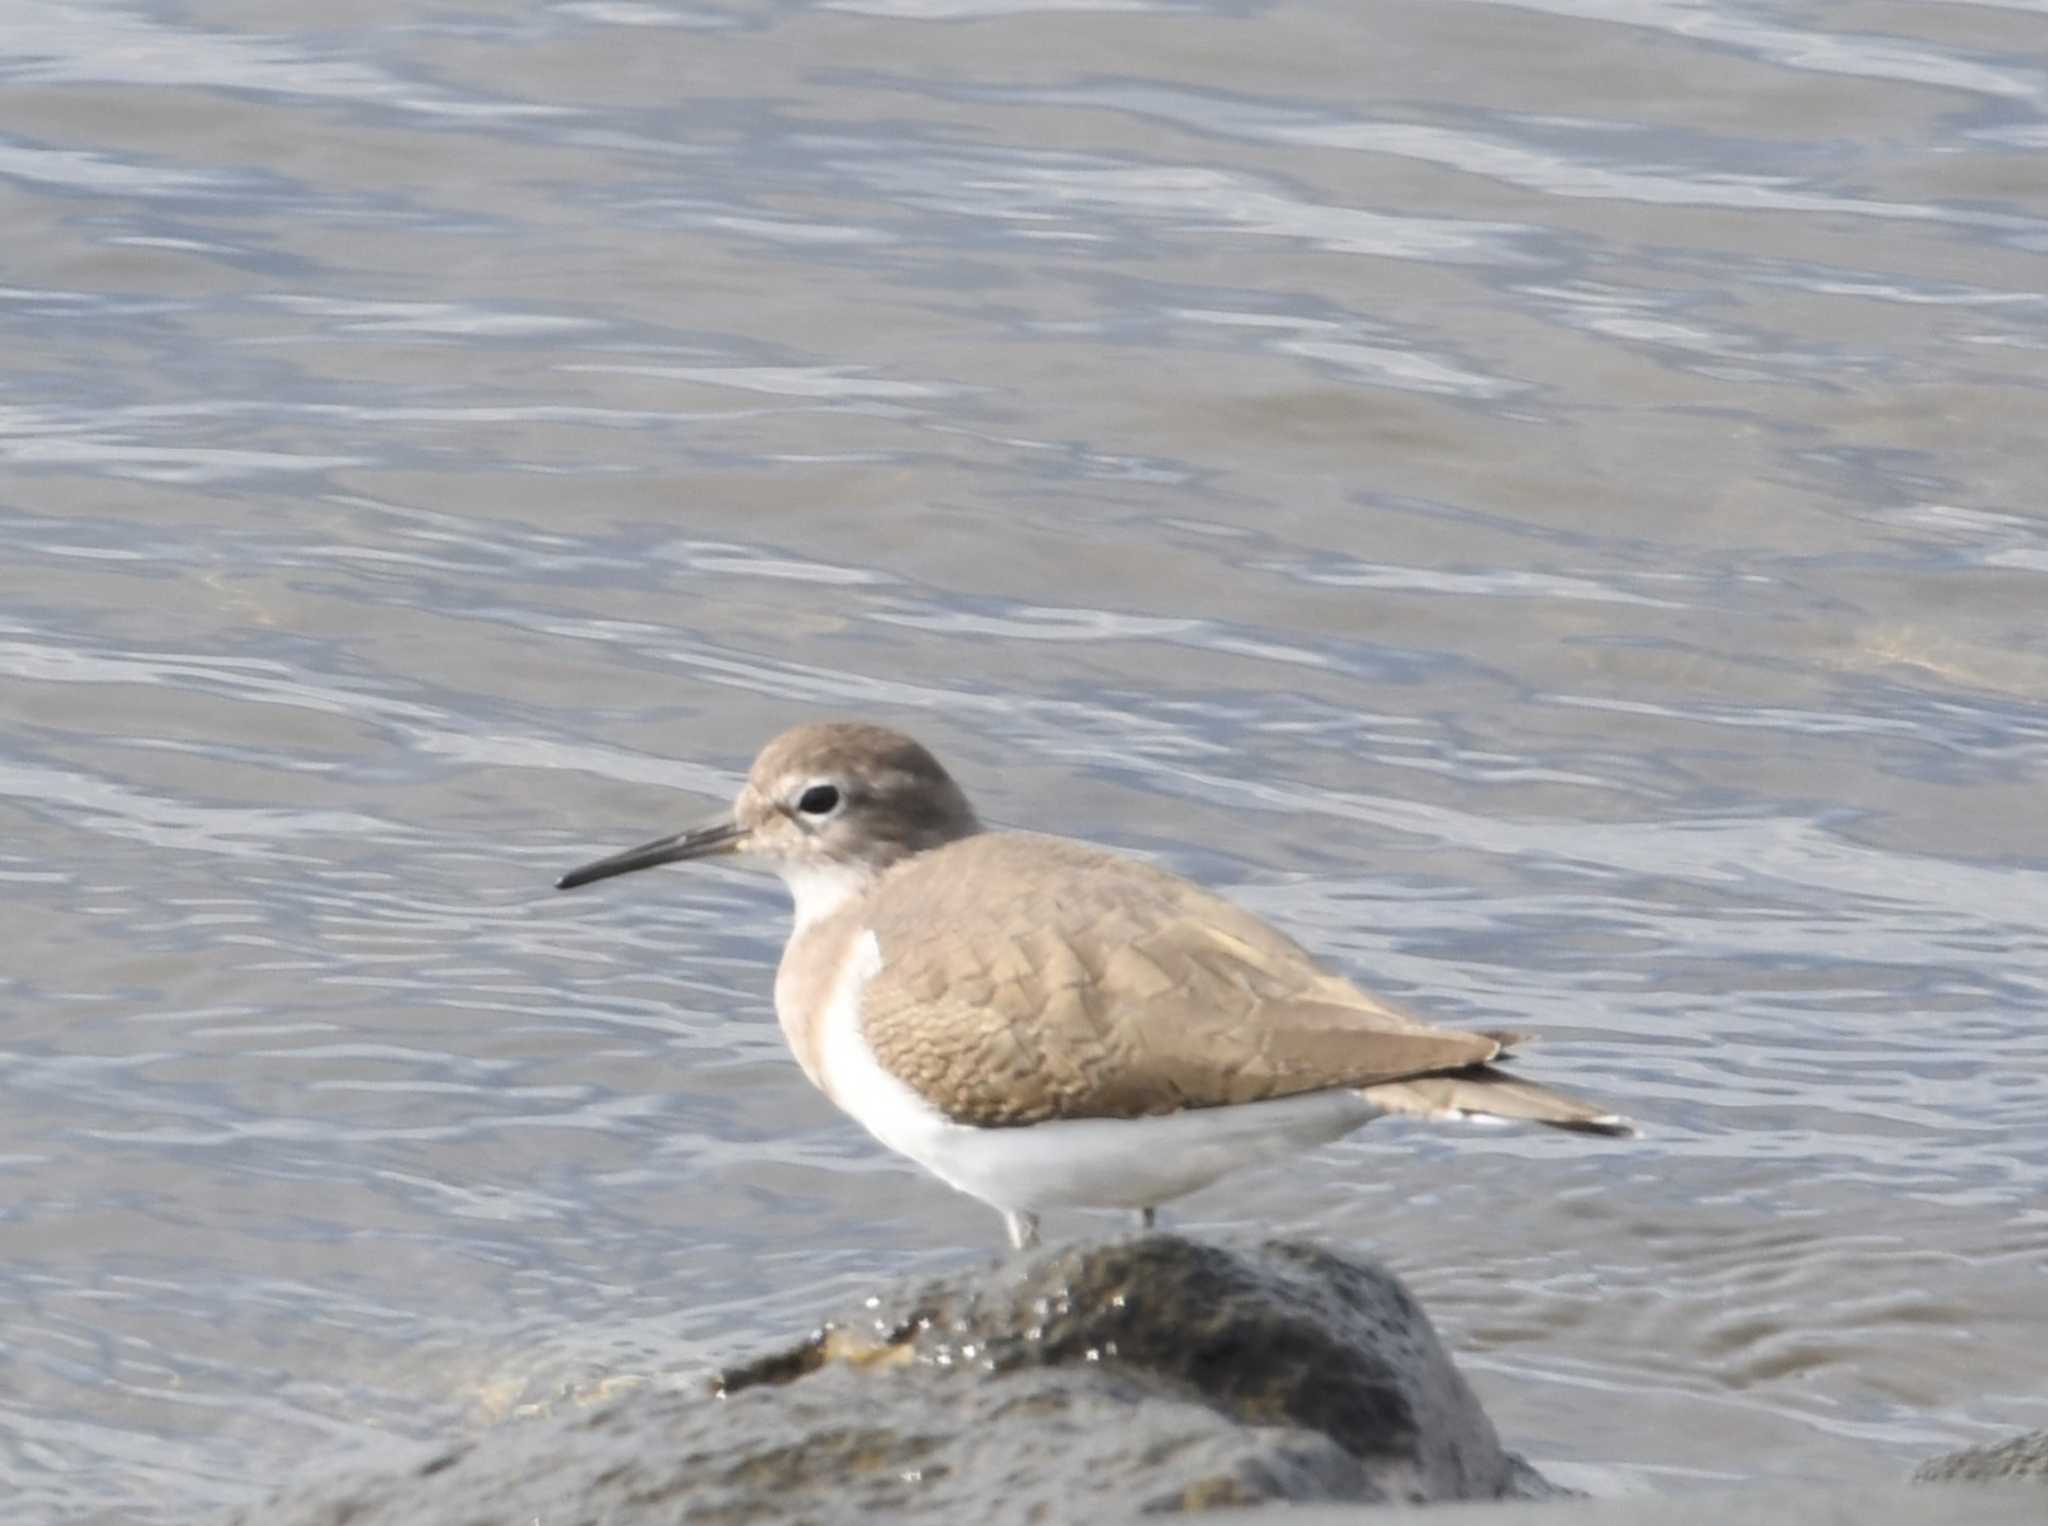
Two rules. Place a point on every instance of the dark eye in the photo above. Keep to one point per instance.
(819, 800)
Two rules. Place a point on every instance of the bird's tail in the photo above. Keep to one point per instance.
(1482, 1091)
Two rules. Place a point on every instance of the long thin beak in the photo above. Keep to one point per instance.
(721, 835)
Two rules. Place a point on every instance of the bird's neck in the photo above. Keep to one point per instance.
(821, 889)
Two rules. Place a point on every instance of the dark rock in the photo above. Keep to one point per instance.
(1151, 1374)
(1776, 1504)
(2023, 1456)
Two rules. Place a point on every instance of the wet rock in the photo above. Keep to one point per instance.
(1150, 1374)
(2023, 1456)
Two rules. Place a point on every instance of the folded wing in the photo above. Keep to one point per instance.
(1132, 992)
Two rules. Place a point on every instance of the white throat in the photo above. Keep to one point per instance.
(821, 889)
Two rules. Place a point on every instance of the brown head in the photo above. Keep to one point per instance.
(827, 806)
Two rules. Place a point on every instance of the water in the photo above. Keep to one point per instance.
(1542, 500)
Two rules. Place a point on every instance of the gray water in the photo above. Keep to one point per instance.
(1543, 500)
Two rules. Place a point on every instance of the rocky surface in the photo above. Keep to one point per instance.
(2022, 1457)
(1084, 1382)
(1896, 1504)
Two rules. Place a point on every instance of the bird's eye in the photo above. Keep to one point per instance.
(819, 800)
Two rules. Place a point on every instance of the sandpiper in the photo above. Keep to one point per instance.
(1042, 1023)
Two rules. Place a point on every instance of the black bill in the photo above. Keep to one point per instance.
(714, 837)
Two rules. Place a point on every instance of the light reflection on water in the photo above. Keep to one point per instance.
(1563, 549)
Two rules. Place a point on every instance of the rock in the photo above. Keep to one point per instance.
(1900, 1504)
(2022, 1456)
(1081, 1382)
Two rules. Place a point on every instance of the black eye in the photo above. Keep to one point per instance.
(819, 800)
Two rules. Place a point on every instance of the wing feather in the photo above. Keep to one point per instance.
(1063, 981)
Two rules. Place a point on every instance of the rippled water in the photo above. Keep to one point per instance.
(1540, 499)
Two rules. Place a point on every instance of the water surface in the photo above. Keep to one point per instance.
(1541, 500)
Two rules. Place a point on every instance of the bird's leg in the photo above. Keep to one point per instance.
(1023, 1228)
(1148, 1218)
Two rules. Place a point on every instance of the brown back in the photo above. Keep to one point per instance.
(1210, 1006)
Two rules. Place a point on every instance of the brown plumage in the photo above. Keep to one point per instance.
(1125, 991)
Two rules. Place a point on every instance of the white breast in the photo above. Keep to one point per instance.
(855, 1079)
(821, 889)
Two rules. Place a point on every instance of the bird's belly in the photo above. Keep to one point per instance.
(1134, 1162)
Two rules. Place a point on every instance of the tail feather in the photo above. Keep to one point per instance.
(1482, 1091)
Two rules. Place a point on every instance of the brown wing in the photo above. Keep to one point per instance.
(1038, 978)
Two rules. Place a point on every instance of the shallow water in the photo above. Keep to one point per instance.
(1542, 500)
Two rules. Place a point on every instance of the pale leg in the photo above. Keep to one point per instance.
(1023, 1228)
